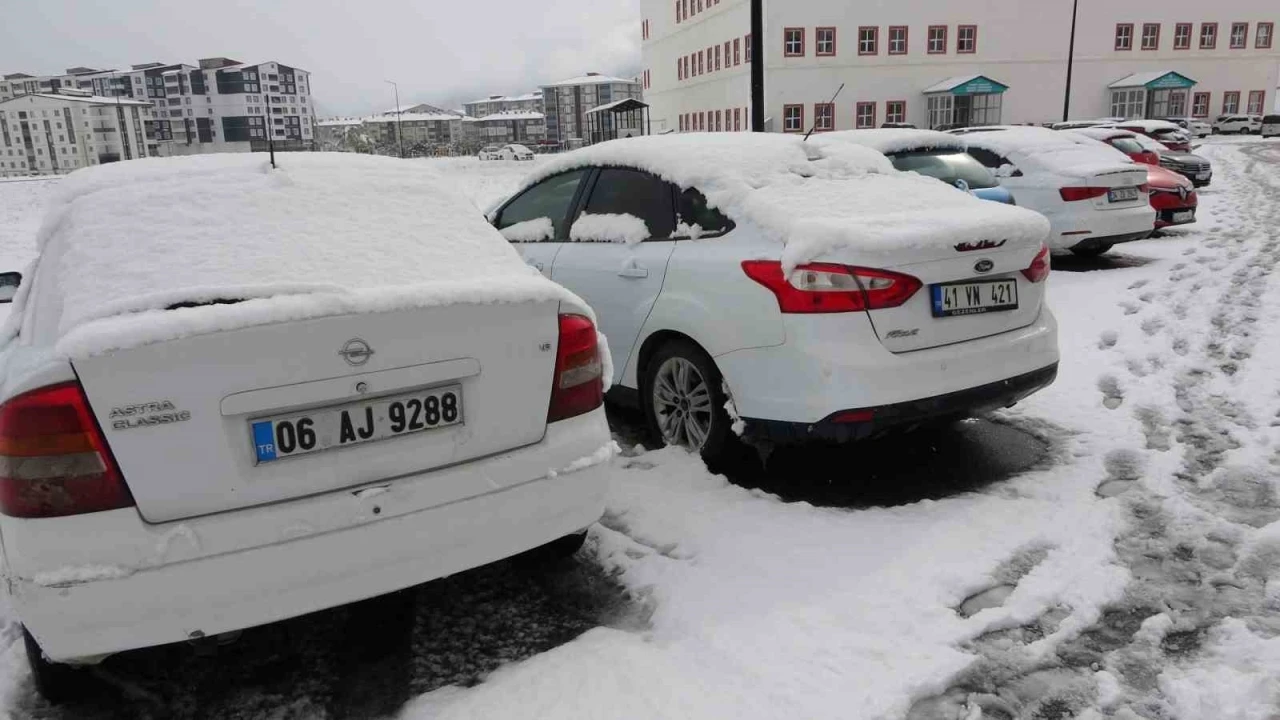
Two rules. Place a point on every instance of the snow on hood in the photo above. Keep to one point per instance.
(323, 234)
(816, 197)
(895, 140)
(1039, 148)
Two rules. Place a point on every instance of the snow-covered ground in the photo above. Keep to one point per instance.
(1132, 572)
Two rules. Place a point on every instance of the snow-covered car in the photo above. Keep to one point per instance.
(1195, 128)
(929, 152)
(1243, 124)
(1169, 134)
(1195, 168)
(298, 388)
(1270, 126)
(1172, 196)
(1093, 199)
(506, 152)
(790, 289)
(1076, 124)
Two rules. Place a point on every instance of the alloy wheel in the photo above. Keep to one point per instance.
(682, 404)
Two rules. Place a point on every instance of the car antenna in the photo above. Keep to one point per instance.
(815, 114)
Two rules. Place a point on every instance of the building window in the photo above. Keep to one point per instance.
(1263, 38)
(937, 39)
(1128, 104)
(701, 66)
(728, 59)
(737, 52)
(897, 39)
(1231, 102)
(1208, 36)
(1256, 100)
(868, 40)
(895, 111)
(793, 42)
(746, 49)
(1239, 35)
(1200, 105)
(793, 118)
(717, 55)
(824, 117)
(1124, 36)
(967, 39)
(824, 41)
(1151, 36)
(737, 119)
(1182, 36)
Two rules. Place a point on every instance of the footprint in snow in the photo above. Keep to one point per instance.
(1124, 466)
(1139, 284)
(1130, 308)
(1112, 395)
(1108, 339)
(1152, 325)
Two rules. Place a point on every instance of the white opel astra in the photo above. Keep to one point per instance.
(787, 289)
(235, 394)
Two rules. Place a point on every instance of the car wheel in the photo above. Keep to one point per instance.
(55, 682)
(684, 404)
(1091, 251)
(554, 551)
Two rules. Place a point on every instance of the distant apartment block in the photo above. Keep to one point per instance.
(494, 104)
(52, 133)
(217, 105)
(566, 103)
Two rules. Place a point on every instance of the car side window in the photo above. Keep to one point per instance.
(548, 201)
(994, 161)
(619, 191)
(696, 219)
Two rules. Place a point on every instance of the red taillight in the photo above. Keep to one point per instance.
(830, 288)
(1145, 188)
(579, 380)
(1038, 270)
(1073, 194)
(53, 458)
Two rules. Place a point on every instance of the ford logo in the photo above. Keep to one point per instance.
(356, 352)
(983, 266)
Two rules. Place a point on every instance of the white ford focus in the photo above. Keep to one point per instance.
(807, 288)
(233, 395)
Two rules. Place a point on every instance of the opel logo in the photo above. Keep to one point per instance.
(1182, 192)
(983, 266)
(356, 352)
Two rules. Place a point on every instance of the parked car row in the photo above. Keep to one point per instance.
(514, 152)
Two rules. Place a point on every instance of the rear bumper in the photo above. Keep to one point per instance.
(142, 598)
(1168, 218)
(971, 401)
(1092, 243)
(1079, 226)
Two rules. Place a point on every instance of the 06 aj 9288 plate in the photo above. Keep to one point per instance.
(355, 423)
(973, 297)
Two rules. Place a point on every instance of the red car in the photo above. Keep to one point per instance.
(1172, 195)
(1172, 136)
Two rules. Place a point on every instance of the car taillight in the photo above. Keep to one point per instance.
(578, 386)
(1038, 270)
(1145, 188)
(54, 460)
(1073, 194)
(831, 288)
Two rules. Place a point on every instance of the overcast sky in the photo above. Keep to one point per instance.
(439, 51)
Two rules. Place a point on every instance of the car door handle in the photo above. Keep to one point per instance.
(539, 265)
(633, 271)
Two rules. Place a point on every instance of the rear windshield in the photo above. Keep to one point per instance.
(1128, 146)
(1271, 119)
(946, 165)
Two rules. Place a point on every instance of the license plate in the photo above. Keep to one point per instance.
(1122, 194)
(1202, 176)
(1184, 215)
(356, 423)
(974, 297)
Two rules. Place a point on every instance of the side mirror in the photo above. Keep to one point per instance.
(9, 283)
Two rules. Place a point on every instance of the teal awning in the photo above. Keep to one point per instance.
(967, 85)
(1158, 80)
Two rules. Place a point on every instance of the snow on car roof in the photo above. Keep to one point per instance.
(1046, 149)
(895, 140)
(324, 234)
(1102, 134)
(1151, 125)
(813, 196)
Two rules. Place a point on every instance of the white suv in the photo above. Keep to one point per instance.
(790, 290)
(1270, 126)
(297, 388)
(1243, 124)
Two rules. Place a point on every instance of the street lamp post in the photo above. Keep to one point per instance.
(399, 133)
(1071, 59)
(757, 65)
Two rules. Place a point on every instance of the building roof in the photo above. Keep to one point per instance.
(591, 79)
(967, 85)
(340, 122)
(513, 115)
(92, 99)
(624, 105)
(506, 98)
(18, 76)
(411, 117)
(1155, 80)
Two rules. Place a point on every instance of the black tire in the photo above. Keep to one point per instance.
(56, 682)
(1091, 251)
(554, 551)
(721, 445)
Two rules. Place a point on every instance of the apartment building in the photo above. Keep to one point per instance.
(217, 105)
(527, 127)
(565, 103)
(531, 102)
(56, 132)
(940, 64)
(424, 130)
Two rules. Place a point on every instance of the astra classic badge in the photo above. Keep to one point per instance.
(980, 245)
(356, 352)
(983, 266)
(157, 412)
